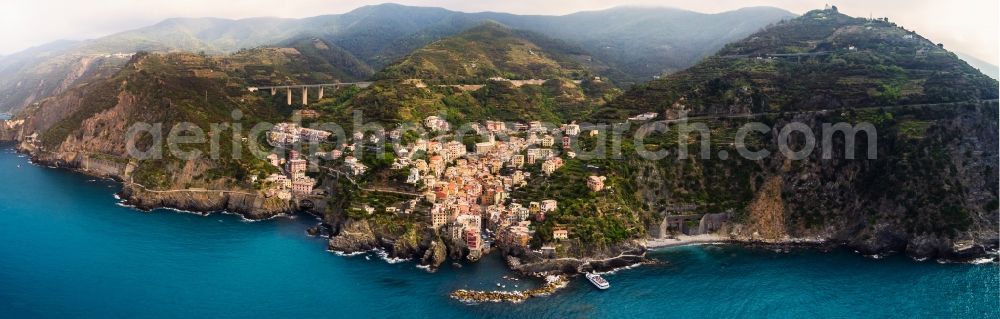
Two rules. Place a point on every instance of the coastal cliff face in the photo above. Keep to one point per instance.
(355, 236)
(249, 205)
(85, 128)
(930, 192)
(9, 130)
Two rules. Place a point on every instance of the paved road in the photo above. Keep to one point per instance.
(824, 111)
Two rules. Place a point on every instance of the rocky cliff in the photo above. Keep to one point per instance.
(9, 130)
(930, 191)
(354, 236)
(249, 205)
(85, 128)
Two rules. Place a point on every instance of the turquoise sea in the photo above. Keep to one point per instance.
(68, 251)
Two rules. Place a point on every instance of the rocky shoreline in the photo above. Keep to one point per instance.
(248, 206)
(357, 238)
(974, 253)
(552, 284)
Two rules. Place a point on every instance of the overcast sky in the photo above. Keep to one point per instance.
(968, 26)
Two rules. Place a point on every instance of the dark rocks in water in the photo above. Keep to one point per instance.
(354, 237)
(322, 230)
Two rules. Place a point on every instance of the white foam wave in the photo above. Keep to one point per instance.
(385, 256)
(343, 254)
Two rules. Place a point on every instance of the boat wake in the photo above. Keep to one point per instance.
(616, 270)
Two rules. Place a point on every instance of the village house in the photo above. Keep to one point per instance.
(437, 164)
(421, 166)
(548, 140)
(560, 234)
(517, 161)
(518, 234)
(571, 129)
(303, 185)
(455, 149)
(549, 205)
(473, 239)
(435, 123)
(439, 216)
(354, 167)
(551, 165)
(534, 207)
(284, 134)
(519, 178)
(400, 162)
(484, 147)
(274, 160)
(413, 177)
(280, 181)
(595, 183)
(470, 221)
(535, 154)
(496, 126)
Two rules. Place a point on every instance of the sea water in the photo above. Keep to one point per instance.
(68, 250)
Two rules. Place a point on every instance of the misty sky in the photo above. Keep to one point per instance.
(967, 26)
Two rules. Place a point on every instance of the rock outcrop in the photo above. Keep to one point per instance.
(425, 247)
(249, 205)
(354, 236)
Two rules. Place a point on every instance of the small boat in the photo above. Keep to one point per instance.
(598, 281)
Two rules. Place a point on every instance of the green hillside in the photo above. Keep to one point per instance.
(492, 50)
(452, 76)
(821, 60)
(175, 88)
(922, 191)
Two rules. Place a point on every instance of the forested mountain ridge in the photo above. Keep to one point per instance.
(933, 121)
(637, 43)
(487, 72)
(489, 51)
(822, 60)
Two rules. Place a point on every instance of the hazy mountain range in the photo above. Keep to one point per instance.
(637, 43)
(990, 69)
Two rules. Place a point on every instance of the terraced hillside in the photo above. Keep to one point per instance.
(822, 60)
(487, 72)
